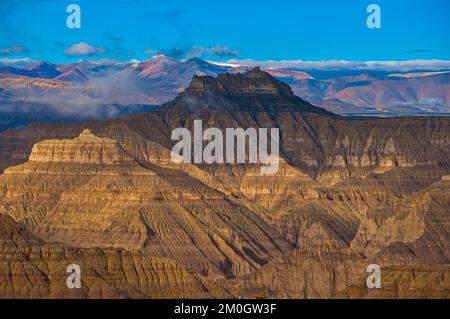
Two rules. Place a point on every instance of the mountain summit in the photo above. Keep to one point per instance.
(254, 91)
(44, 70)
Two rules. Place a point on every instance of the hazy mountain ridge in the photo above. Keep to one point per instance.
(92, 90)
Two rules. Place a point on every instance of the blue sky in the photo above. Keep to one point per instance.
(222, 30)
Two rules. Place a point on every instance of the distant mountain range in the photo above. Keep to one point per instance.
(91, 90)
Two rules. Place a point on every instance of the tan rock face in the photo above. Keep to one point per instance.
(31, 268)
(75, 195)
(327, 274)
(420, 281)
(420, 222)
(17, 83)
(87, 148)
(349, 193)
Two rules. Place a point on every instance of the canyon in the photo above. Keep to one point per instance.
(106, 195)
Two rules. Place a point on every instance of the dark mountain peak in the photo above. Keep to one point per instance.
(199, 67)
(9, 70)
(41, 65)
(156, 64)
(37, 70)
(159, 59)
(256, 72)
(44, 70)
(83, 65)
(74, 74)
(254, 80)
(198, 62)
(254, 91)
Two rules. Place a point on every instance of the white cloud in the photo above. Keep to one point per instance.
(217, 50)
(196, 51)
(12, 50)
(403, 66)
(83, 49)
(20, 62)
(223, 51)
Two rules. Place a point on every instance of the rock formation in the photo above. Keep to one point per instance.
(349, 192)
